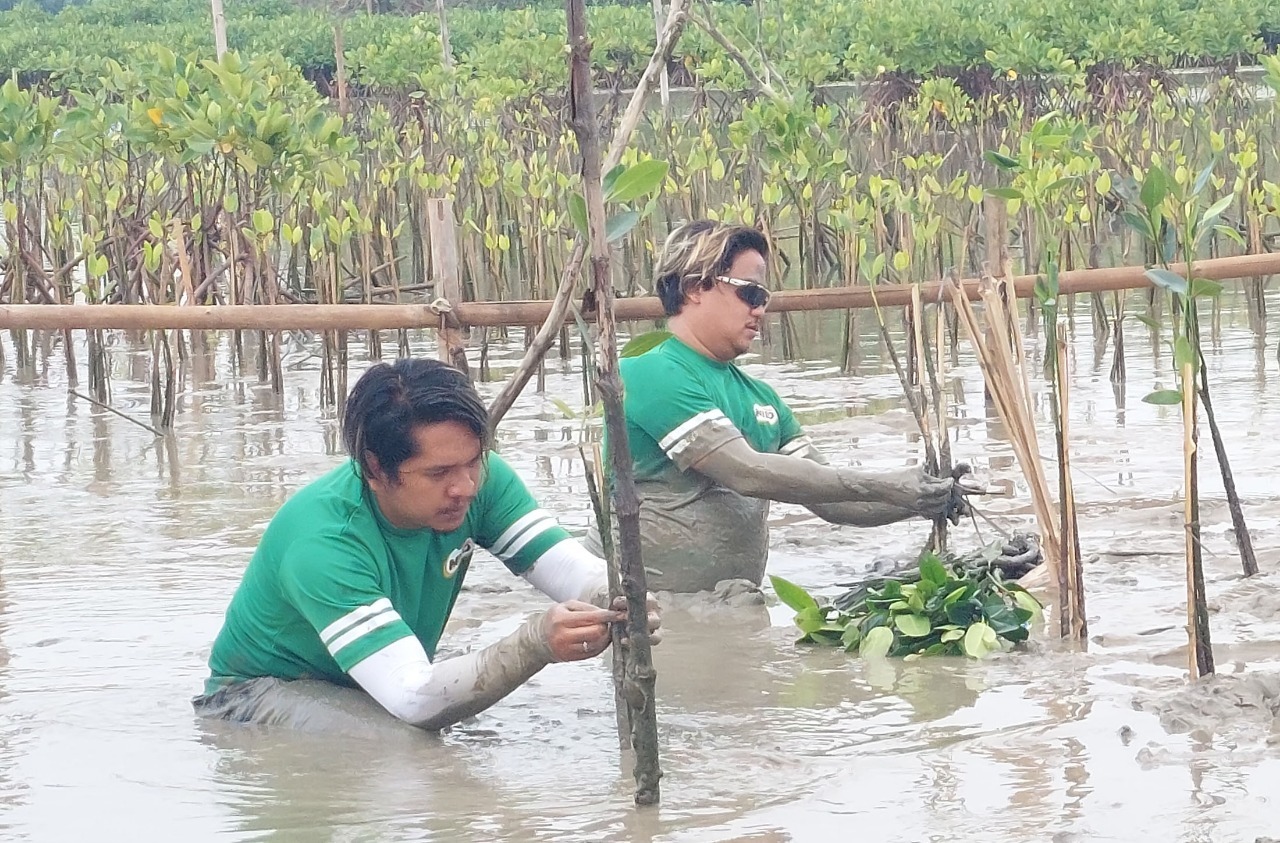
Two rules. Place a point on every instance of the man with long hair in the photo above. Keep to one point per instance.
(357, 573)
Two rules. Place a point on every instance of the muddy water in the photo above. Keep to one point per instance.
(118, 555)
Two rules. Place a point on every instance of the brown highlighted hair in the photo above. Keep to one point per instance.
(695, 253)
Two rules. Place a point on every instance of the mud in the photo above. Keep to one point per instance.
(1244, 707)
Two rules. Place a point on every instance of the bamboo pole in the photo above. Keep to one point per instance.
(1071, 599)
(445, 273)
(640, 678)
(298, 317)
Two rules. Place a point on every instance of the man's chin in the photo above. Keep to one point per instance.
(448, 522)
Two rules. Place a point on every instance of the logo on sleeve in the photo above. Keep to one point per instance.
(766, 414)
(459, 558)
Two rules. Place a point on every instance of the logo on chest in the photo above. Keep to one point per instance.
(766, 414)
(458, 559)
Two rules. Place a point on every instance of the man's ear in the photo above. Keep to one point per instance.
(373, 470)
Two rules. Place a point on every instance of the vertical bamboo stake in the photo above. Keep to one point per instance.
(1071, 576)
(219, 28)
(938, 536)
(638, 688)
(1199, 646)
(452, 347)
(188, 294)
(446, 52)
(340, 69)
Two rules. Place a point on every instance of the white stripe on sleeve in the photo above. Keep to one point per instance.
(362, 629)
(522, 523)
(352, 618)
(517, 544)
(795, 446)
(673, 438)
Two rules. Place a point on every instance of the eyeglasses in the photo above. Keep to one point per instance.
(752, 293)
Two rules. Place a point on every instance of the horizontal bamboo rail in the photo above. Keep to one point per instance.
(337, 317)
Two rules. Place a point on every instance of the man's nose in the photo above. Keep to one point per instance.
(467, 486)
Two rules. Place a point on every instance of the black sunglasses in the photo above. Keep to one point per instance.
(752, 294)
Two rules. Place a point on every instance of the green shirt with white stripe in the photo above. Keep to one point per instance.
(681, 406)
(332, 582)
(680, 403)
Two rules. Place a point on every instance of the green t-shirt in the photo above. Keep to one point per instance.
(679, 404)
(332, 582)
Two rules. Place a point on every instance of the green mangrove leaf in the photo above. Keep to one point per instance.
(851, 638)
(1204, 287)
(1163, 397)
(1231, 234)
(932, 570)
(1005, 192)
(791, 594)
(913, 626)
(263, 222)
(810, 619)
(1168, 280)
(1201, 180)
(952, 635)
(620, 224)
(876, 643)
(1215, 210)
(578, 213)
(1183, 353)
(641, 343)
(1155, 188)
(565, 410)
(1147, 320)
(1138, 223)
(979, 640)
(1001, 160)
(1026, 601)
(610, 179)
(638, 180)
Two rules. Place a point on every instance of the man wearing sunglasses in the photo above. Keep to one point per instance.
(712, 445)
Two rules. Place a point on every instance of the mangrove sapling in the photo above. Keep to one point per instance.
(1174, 203)
(949, 607)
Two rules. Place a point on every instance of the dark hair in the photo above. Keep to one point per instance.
(695, 253)
(389, 401)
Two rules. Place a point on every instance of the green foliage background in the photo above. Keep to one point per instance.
(518, 50)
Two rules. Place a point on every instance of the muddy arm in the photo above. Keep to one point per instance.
(791, 479)
(432, 696)
(854, 514)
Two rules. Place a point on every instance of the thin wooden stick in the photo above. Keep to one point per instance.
(1077, 622)
(111, 409)
(639, 686)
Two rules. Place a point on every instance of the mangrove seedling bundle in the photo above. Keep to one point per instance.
(949, 608)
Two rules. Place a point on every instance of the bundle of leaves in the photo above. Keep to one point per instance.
(949, 609)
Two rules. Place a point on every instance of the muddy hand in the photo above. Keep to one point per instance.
(933, 495)
(958, 503)
(655, 618)
(578, 630)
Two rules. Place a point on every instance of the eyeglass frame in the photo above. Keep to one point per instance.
(743, 289)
